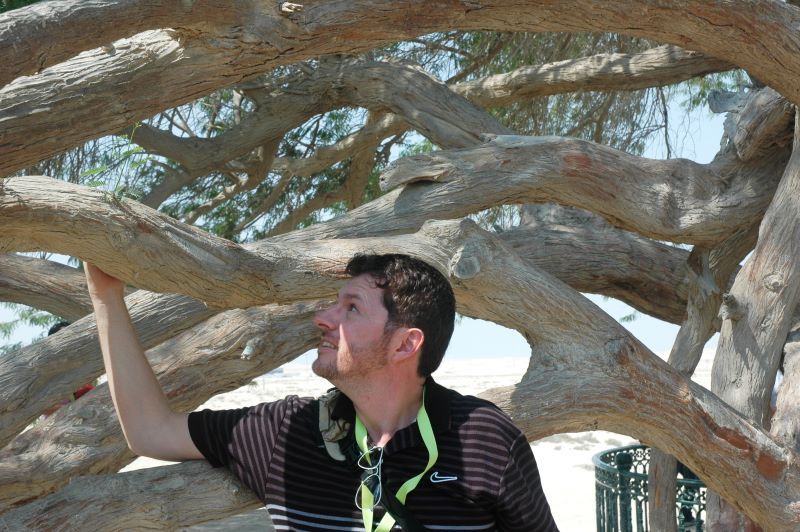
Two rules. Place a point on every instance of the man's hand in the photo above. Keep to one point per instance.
(101, 285)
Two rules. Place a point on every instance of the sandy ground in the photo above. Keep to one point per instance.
(565, 460)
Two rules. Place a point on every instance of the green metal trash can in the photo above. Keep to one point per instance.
(621, 492)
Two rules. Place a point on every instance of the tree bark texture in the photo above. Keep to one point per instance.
(138, 500)
(757, 315)
(153, 71)
(44, 373)
(46, 285)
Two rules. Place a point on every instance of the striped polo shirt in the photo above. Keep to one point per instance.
(485, 478)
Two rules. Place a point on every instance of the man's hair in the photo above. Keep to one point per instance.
(415, 294)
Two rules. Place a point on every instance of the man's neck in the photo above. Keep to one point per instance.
(386, 405)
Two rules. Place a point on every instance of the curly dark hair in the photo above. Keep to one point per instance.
(415, 294)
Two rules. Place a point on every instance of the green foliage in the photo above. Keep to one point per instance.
(8, 5)
(25, 316)
(694, 92)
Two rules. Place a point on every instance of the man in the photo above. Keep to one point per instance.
(388, 448)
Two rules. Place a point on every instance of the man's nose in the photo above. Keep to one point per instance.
(325, 319)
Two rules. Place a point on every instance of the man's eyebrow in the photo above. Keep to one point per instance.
(351, 295)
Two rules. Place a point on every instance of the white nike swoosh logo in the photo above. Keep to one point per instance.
(436, 477)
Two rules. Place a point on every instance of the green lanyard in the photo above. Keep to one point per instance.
(367, 498)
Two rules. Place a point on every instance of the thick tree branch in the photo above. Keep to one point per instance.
(40, 375)
(153, 71)
(428, 105)
(373, 85)
(223, 353)
(42, 35)
(146, 243)
(757, 314)
(590, 255)
(138, 500)
(758, 310)
(633, 193)
(663, 65)
(708, 278)
(44, 284)
(764, 121)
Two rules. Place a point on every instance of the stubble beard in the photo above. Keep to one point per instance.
(359, 363)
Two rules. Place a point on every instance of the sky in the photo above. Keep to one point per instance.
(697, 138)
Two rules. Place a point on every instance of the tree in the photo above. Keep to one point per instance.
(271, 78)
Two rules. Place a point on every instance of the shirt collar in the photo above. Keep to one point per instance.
(437, 404)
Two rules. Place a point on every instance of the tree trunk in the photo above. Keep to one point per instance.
(710, 272)
(757, 316)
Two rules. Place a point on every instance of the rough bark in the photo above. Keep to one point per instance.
(73, 27)
(45, 285)
(146, 243)
(373, 85)
(757, 314)
(709, 275)
(676, 200)
(85, 437)
(623, 386)
(157, 498)
(662, 65)
(759, 307)
(786, 421)
(42, 374)
(154, 71)
(766, 120)
(575, 245)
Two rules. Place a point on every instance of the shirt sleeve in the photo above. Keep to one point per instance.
(242, 440)
(522, 504)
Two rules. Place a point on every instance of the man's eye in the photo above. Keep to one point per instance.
(352, 308)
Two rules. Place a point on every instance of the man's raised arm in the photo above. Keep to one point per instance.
(150, 426)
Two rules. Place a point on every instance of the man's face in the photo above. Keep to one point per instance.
(354, 341)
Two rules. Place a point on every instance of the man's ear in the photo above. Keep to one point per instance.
(407, 343)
